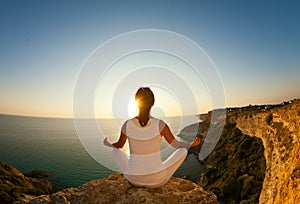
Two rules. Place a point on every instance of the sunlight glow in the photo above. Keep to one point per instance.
(132, 108)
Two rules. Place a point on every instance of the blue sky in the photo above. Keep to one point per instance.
(254, 44)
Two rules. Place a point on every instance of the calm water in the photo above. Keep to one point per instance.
(31, 143)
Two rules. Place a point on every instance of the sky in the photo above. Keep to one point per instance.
(254, 45)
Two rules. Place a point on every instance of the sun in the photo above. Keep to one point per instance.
(132, 108)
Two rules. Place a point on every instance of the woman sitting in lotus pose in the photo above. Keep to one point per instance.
(144, 167)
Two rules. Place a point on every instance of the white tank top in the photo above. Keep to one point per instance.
(144, 145)
(136, 131)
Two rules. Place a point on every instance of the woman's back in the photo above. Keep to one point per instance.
(144, 145)
(143, 140)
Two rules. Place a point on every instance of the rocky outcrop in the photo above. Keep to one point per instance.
(14, 185)
(235, 169)
(115, 189)
(279, 129)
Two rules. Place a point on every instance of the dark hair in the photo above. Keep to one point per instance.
(145, 99)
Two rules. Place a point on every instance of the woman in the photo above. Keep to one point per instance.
(144, 167)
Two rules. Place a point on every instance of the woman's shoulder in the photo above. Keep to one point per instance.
(131, 119)
(157, 121)
(154, 121)
(161, 124)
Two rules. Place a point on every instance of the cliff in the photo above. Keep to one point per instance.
(279, 129)
(257, 158)
(235, 169)
(115, 189)
(14, 185)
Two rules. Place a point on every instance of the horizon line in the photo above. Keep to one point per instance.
(106, 117)
(63, 117)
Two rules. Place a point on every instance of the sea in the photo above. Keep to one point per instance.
(54, 145)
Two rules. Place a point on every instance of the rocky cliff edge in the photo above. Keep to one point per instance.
(115, 189)
(279, 129)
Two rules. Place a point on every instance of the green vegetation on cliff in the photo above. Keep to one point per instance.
(235, 169)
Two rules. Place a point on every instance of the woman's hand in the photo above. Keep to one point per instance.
(106, 142)
(196, 142)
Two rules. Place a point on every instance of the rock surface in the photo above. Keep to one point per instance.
(14, 185)
(115, 189)
(279, 129)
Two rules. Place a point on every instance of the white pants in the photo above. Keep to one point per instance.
(152, 180)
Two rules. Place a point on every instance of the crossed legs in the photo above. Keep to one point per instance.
(170, 166)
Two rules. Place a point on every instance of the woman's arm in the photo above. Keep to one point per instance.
(118, 144)
(121, 140)
(166, 132)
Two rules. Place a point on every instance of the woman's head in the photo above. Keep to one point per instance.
(144, 98)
